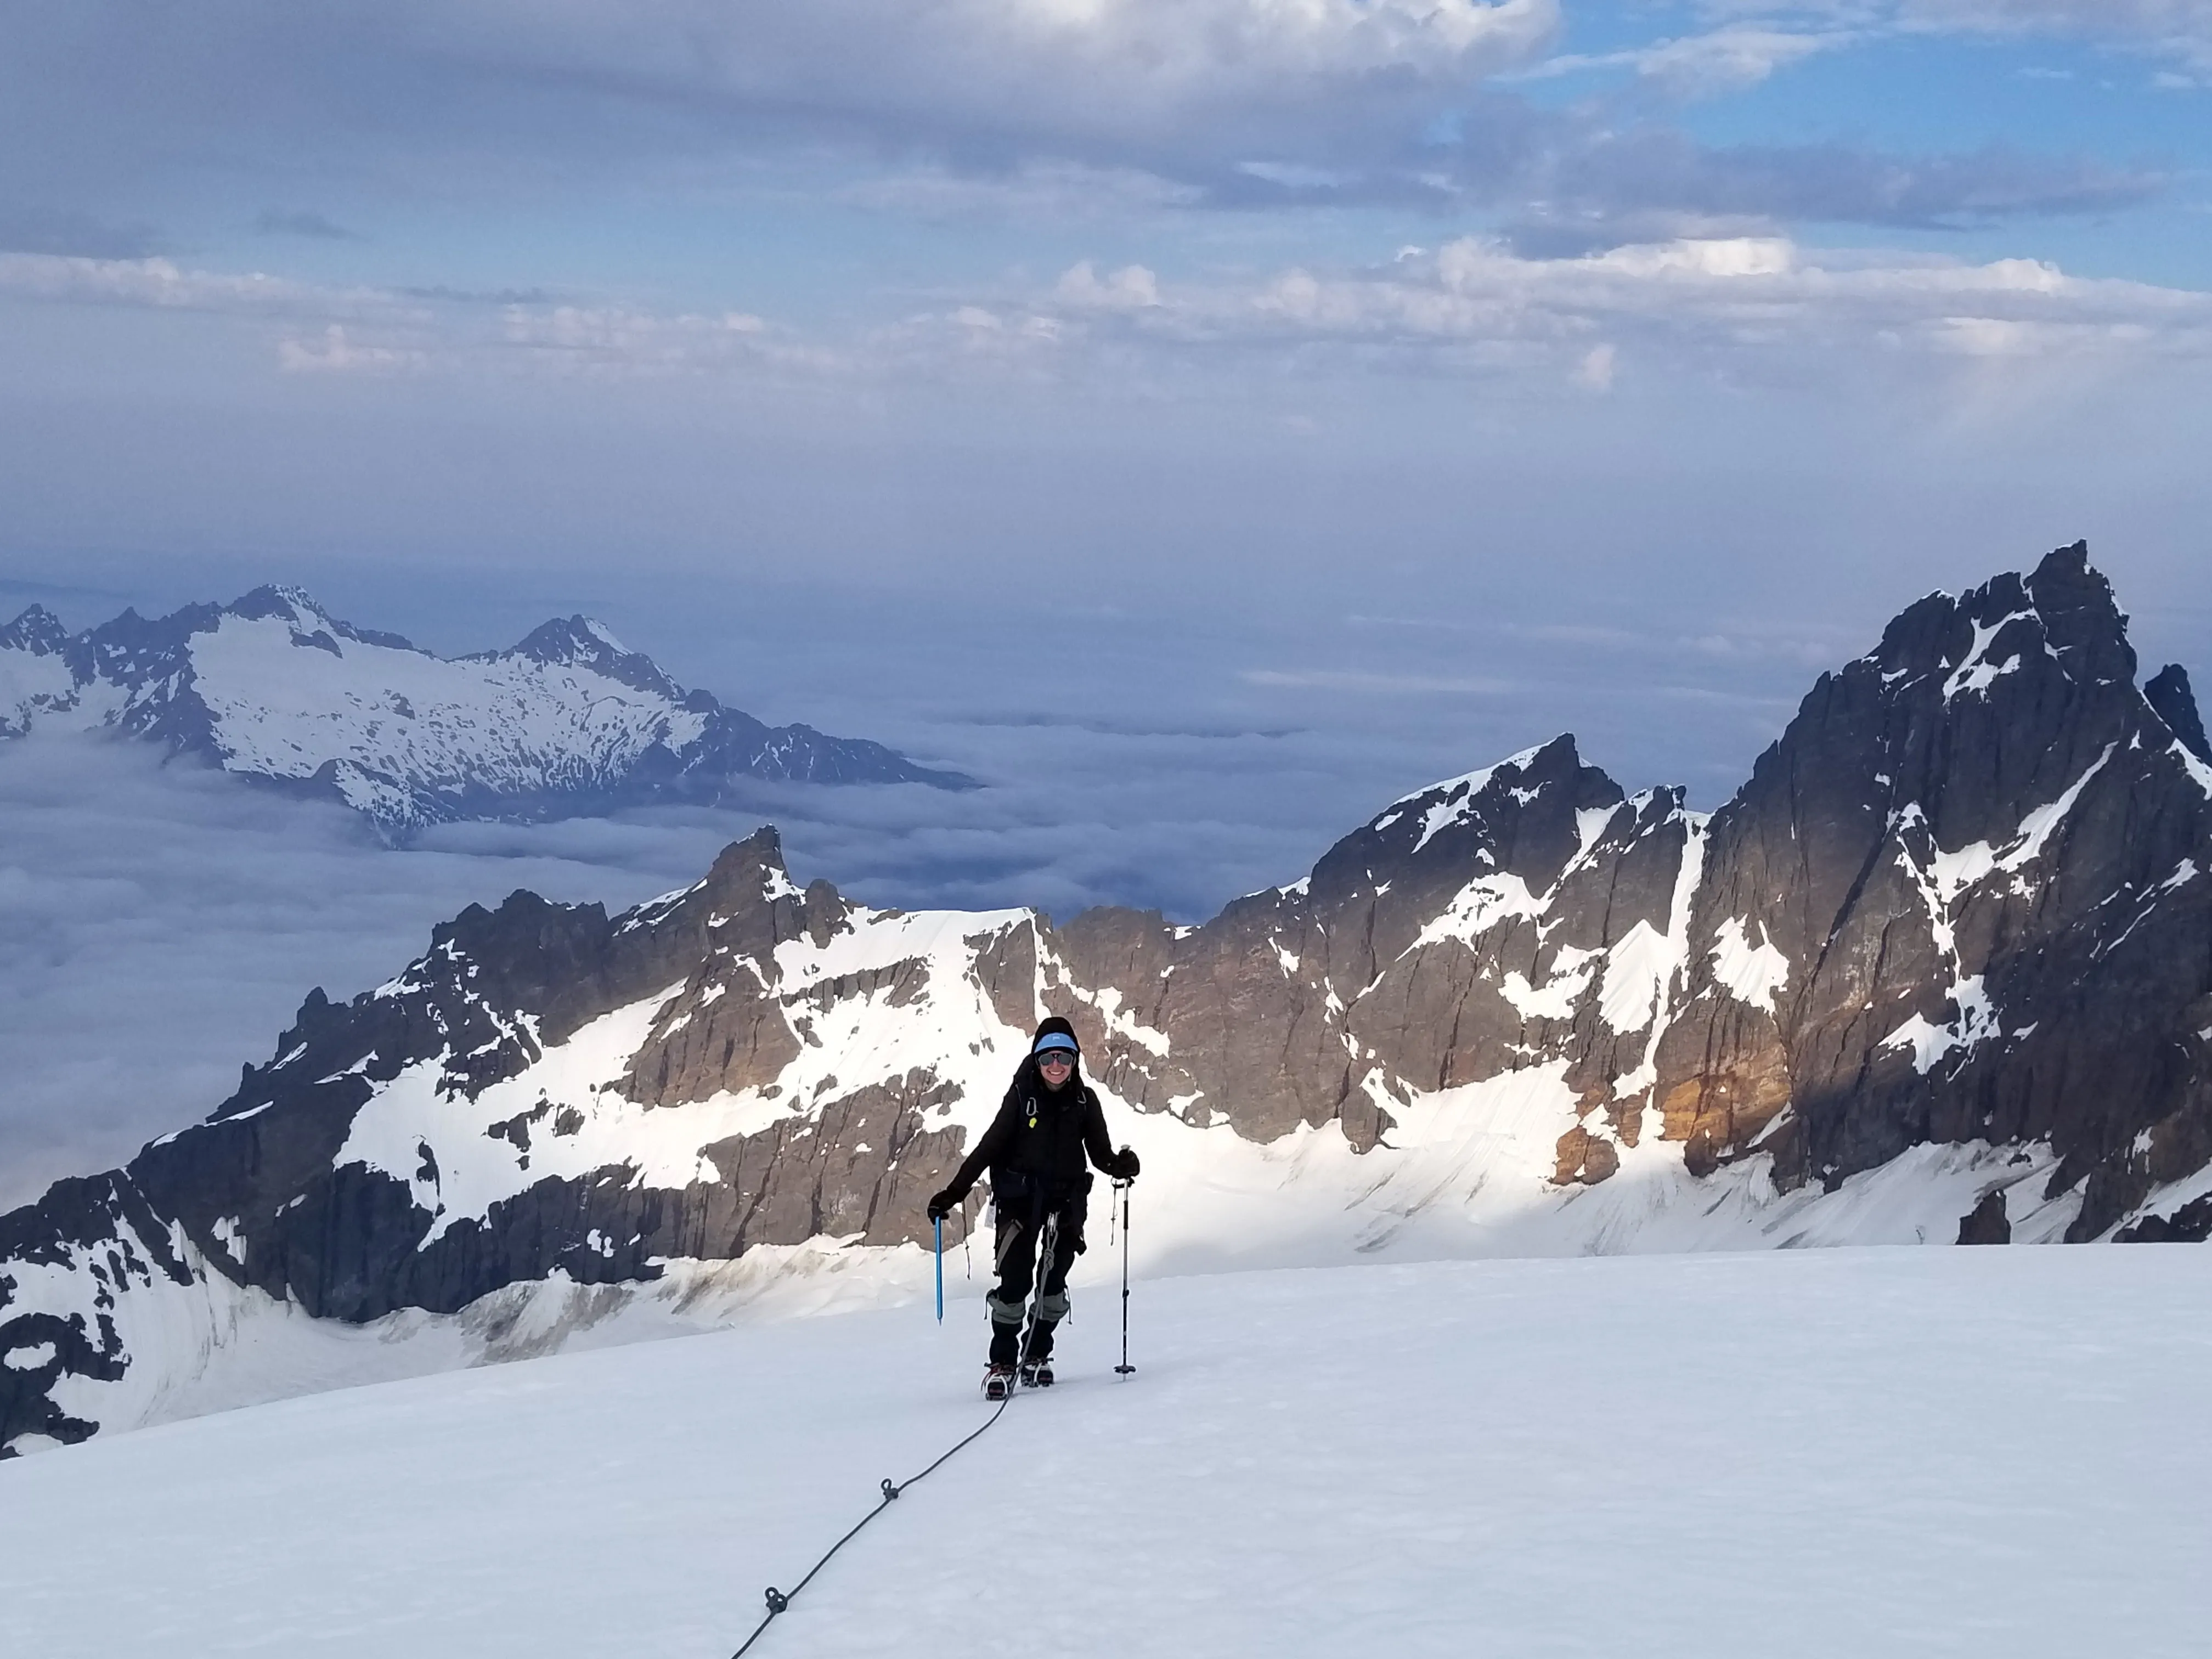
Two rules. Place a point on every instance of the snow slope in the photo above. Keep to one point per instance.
(1837, 1453)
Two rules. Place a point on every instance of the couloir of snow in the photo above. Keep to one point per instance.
(1824, 1454)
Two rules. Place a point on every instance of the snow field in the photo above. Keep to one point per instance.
(1850, 1452)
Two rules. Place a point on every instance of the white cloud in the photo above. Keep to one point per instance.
(1474, 304)
(1055, 60)
(2178, 29)
(1132, 287)
(375, 331)
(335, 353)
(1597, 368)
(622, 341)
(162, 284)
(1178, 87)
(1723, 60)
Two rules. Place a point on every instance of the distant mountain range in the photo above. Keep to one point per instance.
(569, 722)
(1941, 970)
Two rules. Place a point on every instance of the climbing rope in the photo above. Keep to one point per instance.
(779, 1600)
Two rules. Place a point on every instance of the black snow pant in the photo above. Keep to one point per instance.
(1017, 1244)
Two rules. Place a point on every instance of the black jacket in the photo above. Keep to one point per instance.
(1036, 1145)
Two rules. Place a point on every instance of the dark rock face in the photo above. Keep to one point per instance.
(1983, 858)
(569, 722)
(1987, 1222)
(2168, 694)
(1964, 901)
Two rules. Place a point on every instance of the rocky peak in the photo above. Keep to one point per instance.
(748, 874)
(1525, 816)
(38, 631)
(279, 600)
(311, 623)
(2170, 697)
(579, 641)
(1953, 836)
(2084, 624)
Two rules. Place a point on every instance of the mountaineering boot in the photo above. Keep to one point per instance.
(1036, 1373)
(998, 1382)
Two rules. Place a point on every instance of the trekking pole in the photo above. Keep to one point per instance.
(939, 1221)
(1125, 1368)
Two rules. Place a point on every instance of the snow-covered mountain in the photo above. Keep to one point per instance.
(1941, 970)
(273, 687)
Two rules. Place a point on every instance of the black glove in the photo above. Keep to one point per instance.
(1126, 1167)
(943, 1205)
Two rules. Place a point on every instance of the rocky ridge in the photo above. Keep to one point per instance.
(569, 722)
(1941, 969)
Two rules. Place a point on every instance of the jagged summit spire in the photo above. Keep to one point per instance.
(2084, 624)
(2170, 697)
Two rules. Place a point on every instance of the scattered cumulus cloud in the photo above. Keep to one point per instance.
(1476, 306)
(1132, 287)
(334, 353)
(162, 284)
(1472, 306)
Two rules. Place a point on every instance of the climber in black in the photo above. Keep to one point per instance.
(1034, 1150)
